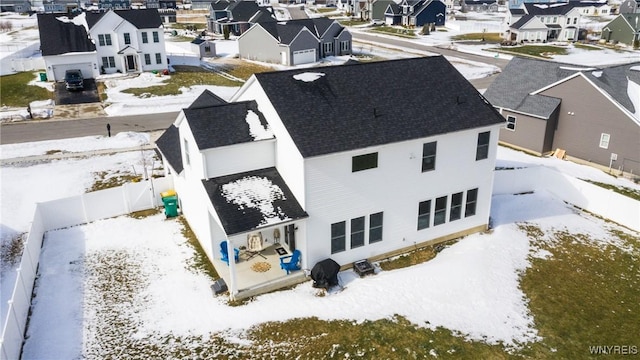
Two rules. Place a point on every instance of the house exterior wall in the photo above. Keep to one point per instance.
(585, 114)
(433, 14)
(344, 36)
(239, 158)
(529, 132)
(618, 30)
(70, 60)
(396, 187)
(257, 44)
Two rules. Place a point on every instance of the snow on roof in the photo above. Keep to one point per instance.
(256, 129)
(575, 68)
(80, 20)
(257, 193)
(308, 76)
(635, 68)
(633, 90)
(597, 73)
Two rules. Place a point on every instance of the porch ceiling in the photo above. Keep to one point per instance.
(251, 200)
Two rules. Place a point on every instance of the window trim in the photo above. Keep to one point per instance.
(440, 211)
(187, 158)
(605, 140)
(373, 228)
(424, 215)
(482, 149)
(344, 45)
(429, 156)
(108, 62)
(342, 237)
(156, 37)
(471, 203)
(158, 58)
(145, 37)
(147, 59)
(511, 123)
(455, 209)
(127, 38)
(364, 162)
(357, 233)
(327, 47)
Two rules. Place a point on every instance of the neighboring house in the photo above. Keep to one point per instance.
(591, 113)
(416, 13)
(542, 22)
(18, 6)
(167, 4)
(236, 16)
(151, 4)
(624, 28)
(128, 41)
(114, 4)
(65, 45)
(200, 4)
(350, 162)
(60, 6)
(479, 5)
(204, 48)
(295, 42)
(377, 9)
(592, 8)
(629, 7)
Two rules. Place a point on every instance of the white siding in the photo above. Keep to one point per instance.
(396, 187)
(71, 61)
(239, 158)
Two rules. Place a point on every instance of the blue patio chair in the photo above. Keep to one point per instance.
(291, 265)
(224, 252)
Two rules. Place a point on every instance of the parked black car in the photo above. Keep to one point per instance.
(73, 79)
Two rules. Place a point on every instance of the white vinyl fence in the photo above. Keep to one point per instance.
(475, 26)
(62, 213)
(21, 58)
(600, 201)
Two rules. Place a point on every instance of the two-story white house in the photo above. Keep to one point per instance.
(347, 162)
(542, 22)
(128, 41)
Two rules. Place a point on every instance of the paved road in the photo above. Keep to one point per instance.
(383, 40)
(50, 130)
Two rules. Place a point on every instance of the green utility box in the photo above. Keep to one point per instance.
(43, 76)
(170, 206)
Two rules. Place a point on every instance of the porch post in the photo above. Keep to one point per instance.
(233, 287)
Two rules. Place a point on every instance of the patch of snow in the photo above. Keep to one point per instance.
(575, 68)
(633, 91)
(308, 76)
(635, 68)
(597, 73)
(256, 129)
(256, 193)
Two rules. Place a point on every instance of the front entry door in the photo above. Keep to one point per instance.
(290, 236)
(131, 63)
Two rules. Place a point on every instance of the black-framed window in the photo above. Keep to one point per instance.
(158, 58)
(440, 213)
(108, 62)
(328, 47)
(357, 232)
(147, 59)
(375, 227)
(429, 156)
(187, 159)
(156, 37)
(456, 207)
(511, 123)
(104, 39)
(482, 151)
(424, 214)
(338, 237)
(145, 38)
(364, 162)
(472, 199)
(127, 39)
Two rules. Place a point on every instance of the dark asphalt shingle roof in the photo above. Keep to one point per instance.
(236, 218)
(60, 37)
(354, 107)
(207, 99)
(169, 145)
(140, 18)
(521, 22)
(559, 8)
(243, 10)
(286, 32)
(521, 77)
(222, 125)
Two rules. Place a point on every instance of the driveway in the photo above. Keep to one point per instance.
(88, 95)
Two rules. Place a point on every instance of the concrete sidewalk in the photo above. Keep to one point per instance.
(78, 111)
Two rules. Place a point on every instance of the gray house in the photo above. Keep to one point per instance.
(19, 6)
(588, 112)
(629, 7)
(295, 42)
(624, 28)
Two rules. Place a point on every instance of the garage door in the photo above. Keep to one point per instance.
(304, 56)
(59, 70)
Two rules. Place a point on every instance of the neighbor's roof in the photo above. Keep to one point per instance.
(227, 124)
(207, 99)
(169, 145)
(559, 8)
(285, 32)
(354, 107)
(140, 18)
(521, 77)
(251, 200)
(62, 36)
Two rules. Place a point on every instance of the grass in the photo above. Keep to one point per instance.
(186, 76)
(488, 37)
(415, 257)
(107, 180)
(586, 47)
(11, 250)
(583, 295)
(542, 51)
(353, 22)
(325, 10)
(622, 190)
(16, 91)
(200, 262)
(243, 70)
(395, 31)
